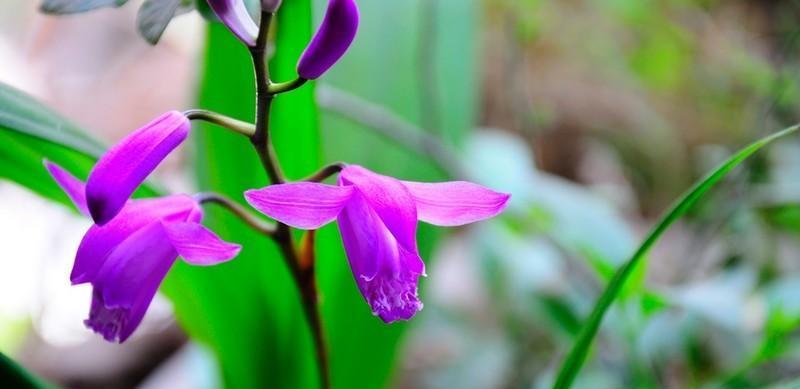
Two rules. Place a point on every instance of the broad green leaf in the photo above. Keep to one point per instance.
(154, 16)
(574, 360)
(15, 376)
(62, 7)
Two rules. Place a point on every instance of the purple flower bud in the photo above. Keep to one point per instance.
(270, 5)
(234, 15)
(331, 40)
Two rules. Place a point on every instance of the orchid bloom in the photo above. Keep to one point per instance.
(332, 39)
(126, 259)
(126, 165)
(234, 15)
(378, 218)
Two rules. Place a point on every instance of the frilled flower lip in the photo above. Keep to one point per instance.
(378, 218)
(126, 165)
(126, 259)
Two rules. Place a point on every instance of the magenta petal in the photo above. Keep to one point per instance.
(304, 205)
(455, 203)
(99, 241)
(234, 15)
(128, 280)
(385, 273)
(126, 165)
(198, 245)
(335, 34)
(390, 200)
(73, 187)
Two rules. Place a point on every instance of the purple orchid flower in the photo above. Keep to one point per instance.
(126, 259)
(331, 41)
(126, 165)
(378, 218)
(234, 15)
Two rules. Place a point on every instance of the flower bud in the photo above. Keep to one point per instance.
(331, 41)
(234, 15)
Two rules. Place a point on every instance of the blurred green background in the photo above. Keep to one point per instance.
(595, 115)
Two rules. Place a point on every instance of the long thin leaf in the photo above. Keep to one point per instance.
(13, 375)
(577, 355)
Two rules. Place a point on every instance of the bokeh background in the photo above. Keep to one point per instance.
(595, 115)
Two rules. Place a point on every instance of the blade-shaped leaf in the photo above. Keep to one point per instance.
(13, 375)
(580, 349)
(62, 7)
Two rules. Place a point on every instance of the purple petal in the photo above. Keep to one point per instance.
(335, 34)
(198, 245)
(455, 203)
(390, 200)
(128, 280)
(304, 205)
(385, 273)
(126, 165)
(73, 187)
(234, 15)
(100, 241)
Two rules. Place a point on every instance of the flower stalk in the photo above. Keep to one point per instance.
(304, 276)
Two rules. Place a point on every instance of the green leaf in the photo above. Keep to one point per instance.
(22, 113)
(154, 16)
(15, 376)
(580, 349)
(62, 7)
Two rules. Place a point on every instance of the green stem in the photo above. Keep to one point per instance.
(288, 86)
(221, 120)
(325, 172)
(237, 209)
(282, 236)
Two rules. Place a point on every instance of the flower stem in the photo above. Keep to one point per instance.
(303, 276)
(325, 172)
(261, 137)
(288, 86)
(237, 209)
(219, 119)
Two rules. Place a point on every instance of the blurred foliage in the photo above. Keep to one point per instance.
(624, 103)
